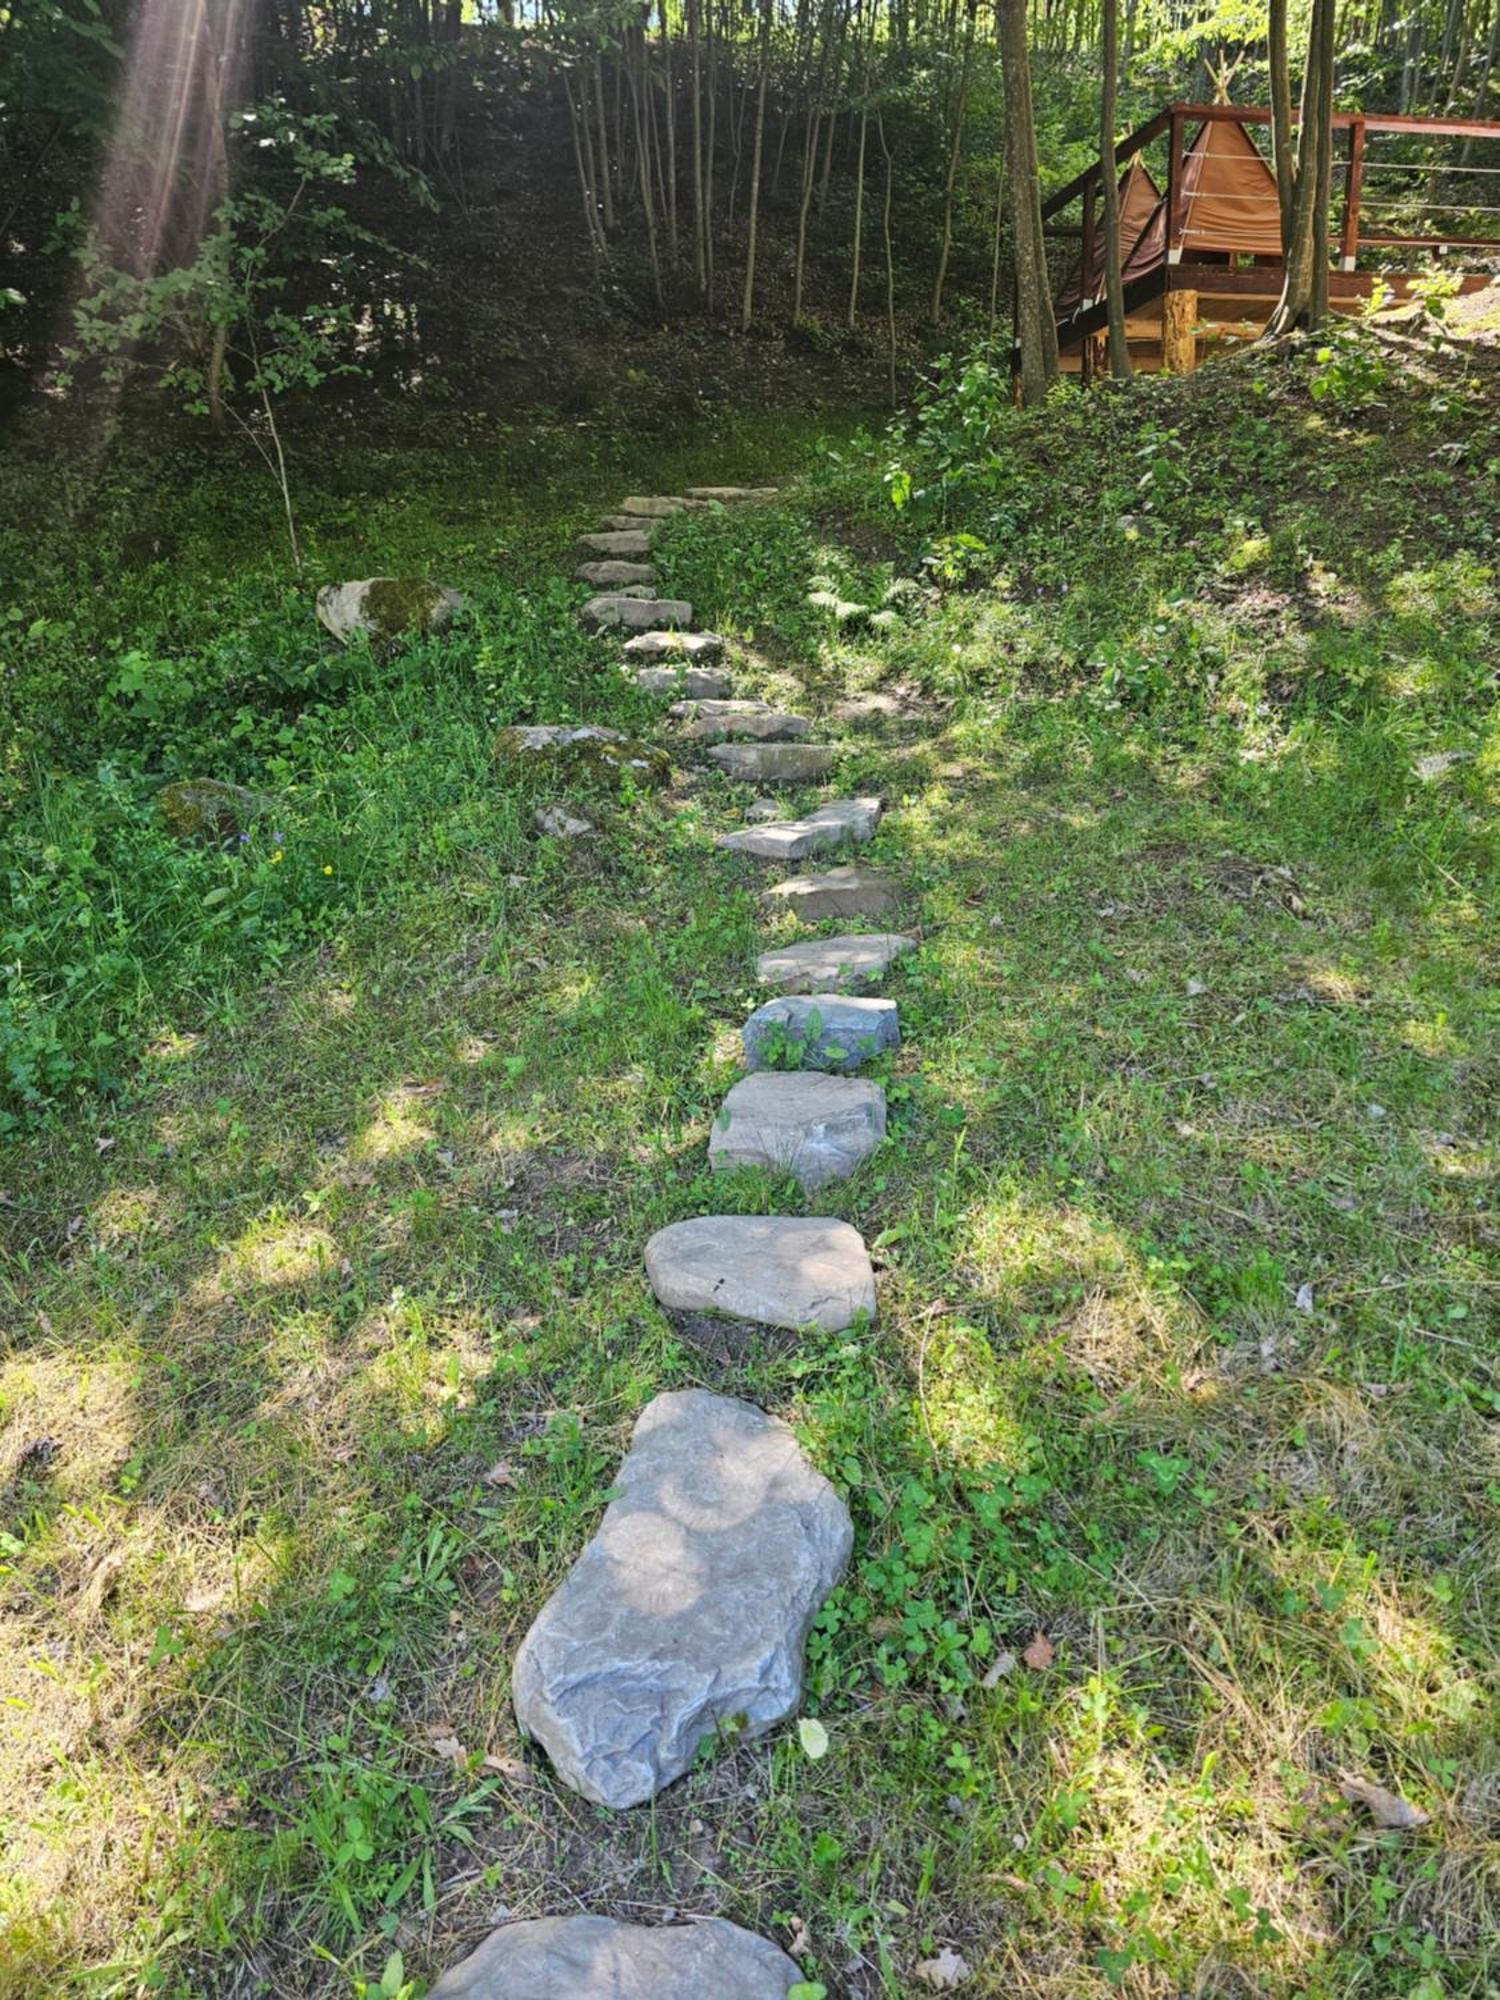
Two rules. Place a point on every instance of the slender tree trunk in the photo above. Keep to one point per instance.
(694, 30)
(747, 306)
(945, 245)
(1282, 152)
(643, 165)
(606, 193)
(997, 239)
(1304, 291)
(1036, 327)
(670, 179)
(1109, 192)
(890, 261)
(859, 179)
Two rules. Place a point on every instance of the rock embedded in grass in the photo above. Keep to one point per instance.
(702, 721)
(727, 496)
(830, 1031)
(601, 1958)
(386, 608)
(696, 648)
(839, 892)
(780, 1270)
(657, 506)
(603, 575)
(793, 839)
(580, 753)
(689, 1610)
(817, 1128)
(698, 683)
(618, 608)
(559, 824)
(209, 810)
(838, 964)
(779, 763)
(631, 544)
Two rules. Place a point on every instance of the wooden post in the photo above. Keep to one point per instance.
(1087, 269)
(1354, 181)
(1179, 332)
(1174, 185)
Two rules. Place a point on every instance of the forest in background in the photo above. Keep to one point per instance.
(517, 207)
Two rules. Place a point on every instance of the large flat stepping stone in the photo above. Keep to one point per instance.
(689, 1609)
(658, 506)
(648, 648)
(580, 752)
(700, 683)
(779, 763)
(840, 892)
(634, 544)
(833, 965)
(817, 1128)
(618, 608)
(704, 720)
(780, 1270)
(792, 839)
(728, 495)
(601, 574)
(600, 1958)
(819, 1031)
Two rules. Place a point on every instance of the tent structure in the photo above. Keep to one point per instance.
(1139, 197)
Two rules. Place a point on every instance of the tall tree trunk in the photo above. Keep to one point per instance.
(1282, 150)
(945, 245)
(747, 305)
(1109, 192)
(670, 171)
(606, 193)
(890, 262)
(638, 86)
(1036, 327)
(1304, 291)
(695, 39)
(859, 176)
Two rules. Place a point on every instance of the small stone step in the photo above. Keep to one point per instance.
(780, 1270)
(647, 648)
(698, 682)
(599, 574)
(689, 1609)
(817, 1128)
(728, 495)
(776, 763)
(836, 965)
(704, 720)
(618, 607)
(657, 506)
(633, 544)
(602, 1958)
(820, 1031)
(792, 839)
(840, 892)
(619, 524)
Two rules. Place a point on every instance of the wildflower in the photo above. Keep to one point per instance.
(327, 867)
(277, 856)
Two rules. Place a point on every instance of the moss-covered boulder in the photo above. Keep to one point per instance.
(581, 754)
(385, 609)
(206, 809)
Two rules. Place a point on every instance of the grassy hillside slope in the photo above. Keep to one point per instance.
(1172, 1458)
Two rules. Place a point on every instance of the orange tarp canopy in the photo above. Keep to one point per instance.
(1139, 195)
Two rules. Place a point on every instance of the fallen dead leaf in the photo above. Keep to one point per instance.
(1387, 1809)
(441, 1739)
(1040, 1654)
(513, 1768)
(799, 1944)
(502, 1473)
(999, 1667)
(944, 1973)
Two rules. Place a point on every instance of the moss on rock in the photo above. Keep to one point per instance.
(207, 809)
(583, 755)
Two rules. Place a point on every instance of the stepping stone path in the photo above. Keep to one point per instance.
(841, 892)
(703, 720)
(637, 614)
(821, 1030)
(687, 1614)
(634, 544)
(599, 1958)
(700, 683)
(690, 1608)
(815, 1127)
(794, 839)
(601, 574)
(647, 648)
(787, 763)
(838, 964)
(779, 1270)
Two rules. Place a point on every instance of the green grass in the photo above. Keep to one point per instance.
(1186, 1235)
